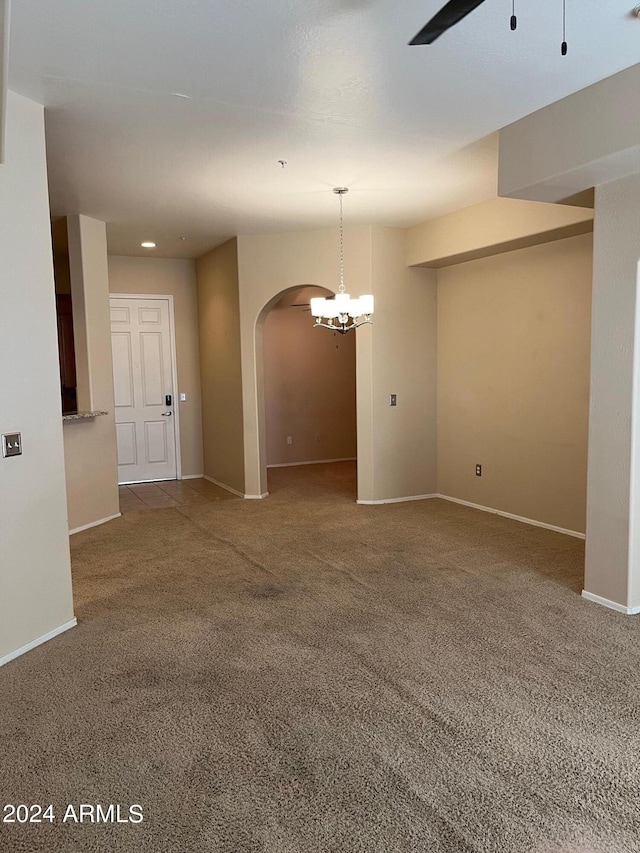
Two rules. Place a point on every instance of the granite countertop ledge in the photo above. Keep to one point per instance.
(80, 416)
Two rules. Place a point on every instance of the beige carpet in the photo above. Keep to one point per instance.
(302, 675)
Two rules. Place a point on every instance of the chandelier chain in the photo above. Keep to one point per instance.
(341, 288)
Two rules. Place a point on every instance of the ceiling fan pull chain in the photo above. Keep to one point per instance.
(514, 19)
(565, 46)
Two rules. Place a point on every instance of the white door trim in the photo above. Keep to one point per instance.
(174, 364)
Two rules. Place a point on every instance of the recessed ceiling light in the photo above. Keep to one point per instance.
(148, 245)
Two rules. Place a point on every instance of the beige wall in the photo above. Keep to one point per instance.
(177, 278)
(403, 362)
(309, 386)
(269, 265)
(612, 569)
(396, 447)
(513, 383)
(585, 140)
(220, 366)
(90, 445)
(490, 228)
(35, 578)
(552, 152)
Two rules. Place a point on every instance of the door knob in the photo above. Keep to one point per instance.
(166, 414)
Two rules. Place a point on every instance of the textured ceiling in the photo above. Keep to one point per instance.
(167, 119)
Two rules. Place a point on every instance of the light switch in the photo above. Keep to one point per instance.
(12, 444)
(183, 398)
(393, 400)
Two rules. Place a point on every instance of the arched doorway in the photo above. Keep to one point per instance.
(306, 393)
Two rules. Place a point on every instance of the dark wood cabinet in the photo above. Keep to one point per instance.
(67, 353)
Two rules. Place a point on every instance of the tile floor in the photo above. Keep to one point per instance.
(170, 493)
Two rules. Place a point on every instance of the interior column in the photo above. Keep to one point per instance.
(612, 568)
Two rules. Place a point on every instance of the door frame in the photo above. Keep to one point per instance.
(174, 364)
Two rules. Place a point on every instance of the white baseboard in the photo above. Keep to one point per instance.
(612, 605)
(34, 643)
(192, 477)
(510, 515)
(398, 500)
(235, 491)
(223, 486)
(94, 523)
(313, 462)
(146, 482)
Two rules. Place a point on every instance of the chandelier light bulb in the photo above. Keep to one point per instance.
(366, 304)
(342, 301)
(354, 310)
(331, 310)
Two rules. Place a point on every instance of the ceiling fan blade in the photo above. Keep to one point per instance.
(447, 17)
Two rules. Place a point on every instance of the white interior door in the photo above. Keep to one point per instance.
(144, 388)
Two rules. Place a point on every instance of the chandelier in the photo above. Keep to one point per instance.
(342, 313)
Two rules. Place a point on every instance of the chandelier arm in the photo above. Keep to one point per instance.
(343, 327)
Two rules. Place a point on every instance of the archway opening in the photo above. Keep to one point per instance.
(307, 386)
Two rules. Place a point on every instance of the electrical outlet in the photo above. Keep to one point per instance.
(393, 399)
(478, 470)
(12, 444)
(289, 439)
